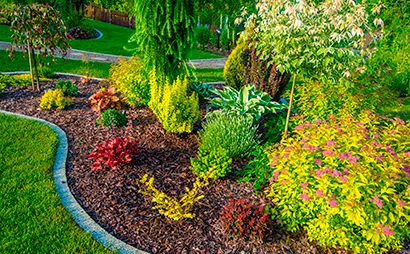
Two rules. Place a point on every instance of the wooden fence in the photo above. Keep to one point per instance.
(113, 17)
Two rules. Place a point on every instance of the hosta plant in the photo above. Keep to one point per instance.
(245, 219)
(346, 181)
(54, 99)
(216, 160)
(68, 88)
(248, 101)
(114, 153)
(104, 99)
(202, 89)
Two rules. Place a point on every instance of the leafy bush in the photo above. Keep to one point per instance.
(390, 64)
(203, 36)
(68, 88)
(202, 89)
(315, 101)
(248, 101)
(54, 99)
(18, 80)
(274, 125)
(177, 111)
(234, 70)
(113, 153)
(46, 72)
(346, 182)
(2, 87)
(216, 160)
(129, 80)
(104, 99)
(112, 117)
(235, 134)
(245, 219)
(226, 38)
(257, 170)
(172, 207)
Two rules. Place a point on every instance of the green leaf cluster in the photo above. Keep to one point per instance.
(216, 160)
(177, 111)
(55, 99)
(248, 102)
(68, 88)
(112, 117)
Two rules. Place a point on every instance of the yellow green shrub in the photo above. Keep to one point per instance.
(172, 207)
(234, 70)
(177, 111)
(131, 82)
(54, 99)
(346, 181)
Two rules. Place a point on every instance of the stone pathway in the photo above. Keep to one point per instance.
(107, 58)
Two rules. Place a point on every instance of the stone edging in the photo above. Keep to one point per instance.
(68, 200)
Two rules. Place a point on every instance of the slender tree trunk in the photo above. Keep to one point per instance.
(31, 64)
(290, 106)
(35, 69)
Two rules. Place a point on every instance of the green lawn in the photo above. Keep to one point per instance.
(114, 39)
(92, 69)
(32, 220)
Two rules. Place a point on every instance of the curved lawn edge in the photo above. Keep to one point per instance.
(67, 198)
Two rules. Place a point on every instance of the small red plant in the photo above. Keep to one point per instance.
(244, 218)
(113, 153)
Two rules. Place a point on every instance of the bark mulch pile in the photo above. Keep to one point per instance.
(111, 198)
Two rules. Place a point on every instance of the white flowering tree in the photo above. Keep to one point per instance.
(318, 40)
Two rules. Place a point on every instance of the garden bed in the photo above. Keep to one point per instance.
(111, 197)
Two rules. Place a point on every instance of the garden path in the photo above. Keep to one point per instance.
(107, 58)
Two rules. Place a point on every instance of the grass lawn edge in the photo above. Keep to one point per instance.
(67, 198)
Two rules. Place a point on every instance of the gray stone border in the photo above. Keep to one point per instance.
(68, 200)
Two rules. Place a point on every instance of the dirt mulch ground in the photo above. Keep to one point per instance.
(112, 199)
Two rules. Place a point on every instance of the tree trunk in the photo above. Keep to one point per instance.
(31, 64)
(35, 69)
(290, 106)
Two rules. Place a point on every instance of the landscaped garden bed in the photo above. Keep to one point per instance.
(111, 196)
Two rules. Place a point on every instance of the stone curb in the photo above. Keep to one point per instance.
(68, 200)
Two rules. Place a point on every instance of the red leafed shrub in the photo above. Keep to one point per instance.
(113, 153)
(245, 219)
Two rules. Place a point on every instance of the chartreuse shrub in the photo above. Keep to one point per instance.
(112, 117)
(234, 133)
(68, 88)
(177, 111)
(54, 99)
(346, 182)
(129, 80)
(234, 70)
(172, 207)
(216, 160)
(315, 100)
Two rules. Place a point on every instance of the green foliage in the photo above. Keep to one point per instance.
(317, 39)
(215, 160)
(226, 38)
(274, 125)
(6, 9)
(390, 64)
(234, 70)
(68, 88)
(346, 181)
(46, 72)
(203, 36)
(129, 80)
(318, 100)
(164, 34)
(257, 170)
(177, 111)
(172, 207)
(234, 133)
(112, 117)
(13, 80)
(202, 89)
(54, 99)
(248, 101)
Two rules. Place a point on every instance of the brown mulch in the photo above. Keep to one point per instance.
(111, 198)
